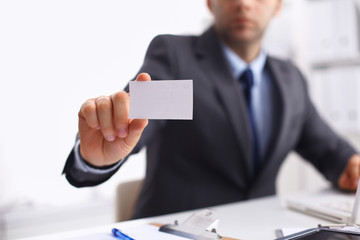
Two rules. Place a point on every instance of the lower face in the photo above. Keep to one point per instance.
(243, 24)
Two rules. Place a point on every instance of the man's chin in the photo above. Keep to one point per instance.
(243, 39)
(239, 36)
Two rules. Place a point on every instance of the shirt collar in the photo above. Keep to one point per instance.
(238, 65)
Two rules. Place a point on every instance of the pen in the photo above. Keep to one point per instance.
(118, 234)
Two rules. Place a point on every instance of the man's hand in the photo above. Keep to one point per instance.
(106, 132)
(349, 178)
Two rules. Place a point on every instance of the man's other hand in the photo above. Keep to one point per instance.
(349, 178)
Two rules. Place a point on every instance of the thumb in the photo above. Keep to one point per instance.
(136, 127)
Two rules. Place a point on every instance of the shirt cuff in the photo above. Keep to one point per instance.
(81, 165)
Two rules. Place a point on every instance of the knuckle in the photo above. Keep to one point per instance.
(104, 104)
(120, 96)
(88, 108)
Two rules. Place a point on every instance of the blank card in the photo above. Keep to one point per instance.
(163, 99)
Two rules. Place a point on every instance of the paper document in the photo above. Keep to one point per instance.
(150, 232)
(143, 232)
(165, 99)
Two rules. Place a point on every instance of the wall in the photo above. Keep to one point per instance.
(56, 54)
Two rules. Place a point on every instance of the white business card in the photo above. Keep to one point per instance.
(163, 99)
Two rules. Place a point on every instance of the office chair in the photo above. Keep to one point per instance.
(126, 196)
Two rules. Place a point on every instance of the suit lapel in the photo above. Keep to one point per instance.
(228, 90)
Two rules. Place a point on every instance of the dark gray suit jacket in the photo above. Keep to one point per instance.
(207, 161)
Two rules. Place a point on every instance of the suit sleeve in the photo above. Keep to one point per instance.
(159, 65)
(321, 145)
(85, 173)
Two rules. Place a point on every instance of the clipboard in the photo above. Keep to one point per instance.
(201, 225)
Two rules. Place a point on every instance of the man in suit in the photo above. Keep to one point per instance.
(250, 111)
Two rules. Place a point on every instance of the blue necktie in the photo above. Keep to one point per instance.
(247, 82)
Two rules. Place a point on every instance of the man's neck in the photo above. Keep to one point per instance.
(246, 51)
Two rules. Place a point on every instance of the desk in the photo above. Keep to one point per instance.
(248, 220)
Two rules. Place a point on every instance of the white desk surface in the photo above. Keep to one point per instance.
(248, 220)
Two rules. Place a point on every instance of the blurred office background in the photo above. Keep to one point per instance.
(56, 54)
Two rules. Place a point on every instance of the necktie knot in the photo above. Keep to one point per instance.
(247, 79)
(247, 82)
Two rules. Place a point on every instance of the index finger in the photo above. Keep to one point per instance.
(121, 108)
(143, 77)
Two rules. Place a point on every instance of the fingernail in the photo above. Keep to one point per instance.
(122, 133)
(97, 128)
(110, 138)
